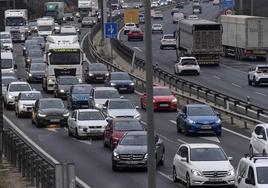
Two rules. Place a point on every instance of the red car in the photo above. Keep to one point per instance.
(117, 128)
(163, 99)
(135, 34)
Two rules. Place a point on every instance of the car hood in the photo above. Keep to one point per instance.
(80, 96)
(93, 123)
(119, 134)
(204, 119)
(127, 149)
(54, 111)
(211, 165)
(121, 81)
(163, 98)
(123, 112)
(14, 93)
(27, 102)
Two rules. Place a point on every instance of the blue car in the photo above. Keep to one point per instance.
(121, 81)
(78, 96)
(198, 118)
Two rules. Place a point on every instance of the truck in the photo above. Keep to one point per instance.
(63, 56)
(201, 39)
(45, 26)
(245, 37)
(55, 10)
(16, 21)
(84, 8)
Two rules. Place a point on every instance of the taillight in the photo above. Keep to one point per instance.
(259, 72)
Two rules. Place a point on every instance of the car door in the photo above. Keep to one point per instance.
(251, 178)
(71, 121)
(179, 164)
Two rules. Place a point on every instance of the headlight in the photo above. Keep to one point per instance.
(30, 74)
(98, 105)
(107, 74)
(218, 121)
(112, 84)
(50, 80)
(231, 172)
(79, 80)
(146, 156)
(190, 121)
(196, 172)
(62, 90)
(28, 60)
(10, 96)
(132, 84)
(137, 116)
(174, 100)
(24, 48)
(21, 106)
(41, 115)
(11, 71)
(90, 74)
(116, 155)
(66, 114)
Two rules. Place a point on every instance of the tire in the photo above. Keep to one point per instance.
(255, 83)
(162, 160)
(19, 115)
(218, 134)
(174, 175)
(161, 47)
(249, 81)
(111, 146)
(178, 127)
(264, 153)
(185, 131)
(69, 132)
(76, 134)
(114, 167)
(188, 181)
(104, 143)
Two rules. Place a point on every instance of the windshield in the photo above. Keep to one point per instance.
(38, 67)
(65, 58)
(188, 62)
(51, 104)
(19, 87)
(85, 116)
(263, 69)
(67, 81)
(262, 175)
(6, 81)
(124, 104)
(40, 61)
(134, 140)
(30, 96)
(125, 125)
(120, 76)
(15, 21)
(168, 37)
(106, 94)
(200, 111)
(44, 28)
(207, 154)
(4, 36)
(6, 40)
(6, 63)
(162, 92)
(97, 68)
(82, 89)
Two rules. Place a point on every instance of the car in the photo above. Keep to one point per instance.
(135, 34)
(141, 18)
(33, 54)
(124, 5)
(163, 2)
(205, 1)
(131, 151)
(69, 30)
(128, 27)
(252, 172)
(120, 108)
(8, 64)
(201, 164)
(154, 4)
(63, 85)
(88, 21)
(158, 15)
(258, 141)
(197, 10)
(47, 111)
(193, 17)
(187, 65)
(36, 61)
(174, 10)
(40, 40)
(56, 28)
(6, 41)
(36, 72)
(12, 92)
(96, 72)
(117, 128)
(198, 118)
(258, 75)
(121, 81)
(86, 122)
(180, 5)
(32, 26)
(168, 40)
(30, 44)
(157, 28)
(7, 79)
(69, 17)
(78, 96)
(100, 95)
(177, 17)
(163, 99)
(25, 102)
(216, 2)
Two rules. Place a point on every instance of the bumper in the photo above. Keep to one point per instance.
(130, 163)
(207, 182)
(262, 80)
(157, 30)
(165, 106)
(35, 78)
(90, 131)
(214, 128)
(80, 104)
(189, 71)
(124, 88)
(48, 121)
(168, 45)
(135, 37)
(96, 78)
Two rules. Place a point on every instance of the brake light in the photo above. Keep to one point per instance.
(259, 72)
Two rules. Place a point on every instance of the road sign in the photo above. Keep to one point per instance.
(111, 30)
(227, 4)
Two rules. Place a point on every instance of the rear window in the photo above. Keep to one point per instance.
(188, 62)
(168, 37)
(263, 69)
(130, 25)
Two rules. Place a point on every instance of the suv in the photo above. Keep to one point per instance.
(252, 172)
(258, 141)
(128, 27)
(187, 65)
(257, 75)
(203, 165)
(168, 40)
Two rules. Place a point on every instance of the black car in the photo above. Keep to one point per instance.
(96, 72)
(40, 40)
(131, 151)
(63, 84)
(69, 17)
(121, 81)
(30, 44)
(180, 5)
(36, 72)
(47, 111)
(33, 54)
(32, 26)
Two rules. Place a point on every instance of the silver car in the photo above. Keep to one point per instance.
(120, 108)
(258, 75)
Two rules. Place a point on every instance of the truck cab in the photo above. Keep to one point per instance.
(55, 10)
(45, 26)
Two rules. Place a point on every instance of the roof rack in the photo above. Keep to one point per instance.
(256, 156)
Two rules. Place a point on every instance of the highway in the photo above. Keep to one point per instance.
(93, 161)
(230, 78)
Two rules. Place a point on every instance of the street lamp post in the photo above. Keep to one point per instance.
(133, 58)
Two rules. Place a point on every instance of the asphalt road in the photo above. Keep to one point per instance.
(229, 78)
(93, 161)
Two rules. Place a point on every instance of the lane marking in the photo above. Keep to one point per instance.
(182, 141)
(211, 138)
(214, 76)
(173, 121)
(165, 175)
(236, 85)
(260, 93)
(137, 48)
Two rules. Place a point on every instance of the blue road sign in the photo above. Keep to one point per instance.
(227, 4)
(111, 30)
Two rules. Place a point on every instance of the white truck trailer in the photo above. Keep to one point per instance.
(84, 7)
(245, 36)
(45, 26)
(16, 21)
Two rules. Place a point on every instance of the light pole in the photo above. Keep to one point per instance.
(133, 58)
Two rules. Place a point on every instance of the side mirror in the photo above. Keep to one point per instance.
(121, 97)
(108, 119)
(15, 66)
(260, 136)
(230, 158)
(184, 159)
(247, 181)
(16, 99)
(72, 119)
(218, 114)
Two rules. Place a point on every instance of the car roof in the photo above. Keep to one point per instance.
(104, 88)
(30, 92)
(87, 110)
(256, 161)
(202, 145)
(50, 99)
(19, 82)
(197, 105)
(137, 133)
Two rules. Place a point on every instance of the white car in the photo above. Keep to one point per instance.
(187, 65)
(157, 15)
(86, 122)
(7, 79)
(7, 62)
(258, 75)
(259, 140)
(120, 108)
(216, 2)
(128, 27)
(100, 95)
(196, 11)
(25, 102)
(12, 92)
(168, 40)
(252, 172)
(201, 164)
(157, 28)
(6, 41)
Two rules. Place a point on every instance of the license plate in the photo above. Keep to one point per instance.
(99, 78)
(84, 106)
(163, 105)
(123, 88)
(95, 131)
(206, 127)
(131, 162)
(55, 120)
(215, 179)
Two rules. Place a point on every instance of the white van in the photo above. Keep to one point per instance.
(7, 62)
(177, 17)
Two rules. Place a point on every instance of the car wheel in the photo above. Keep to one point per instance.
(174, 175)
(249, 81)
(77, 135)
(178, 127)
(111, 145)
(104, 143)
(19, 115)
(185, 130)
(69, 132)
(161, 47)
(162, 160)
(114, 167)
(188, 181)
(218, 134)
(255, 83)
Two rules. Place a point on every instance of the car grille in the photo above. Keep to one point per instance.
(95, 127)
(215, 174)
(131, 157)
(15, 34)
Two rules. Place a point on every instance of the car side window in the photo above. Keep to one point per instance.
(258, 130)
(74, 114)
(251, 175)
(263, 133)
